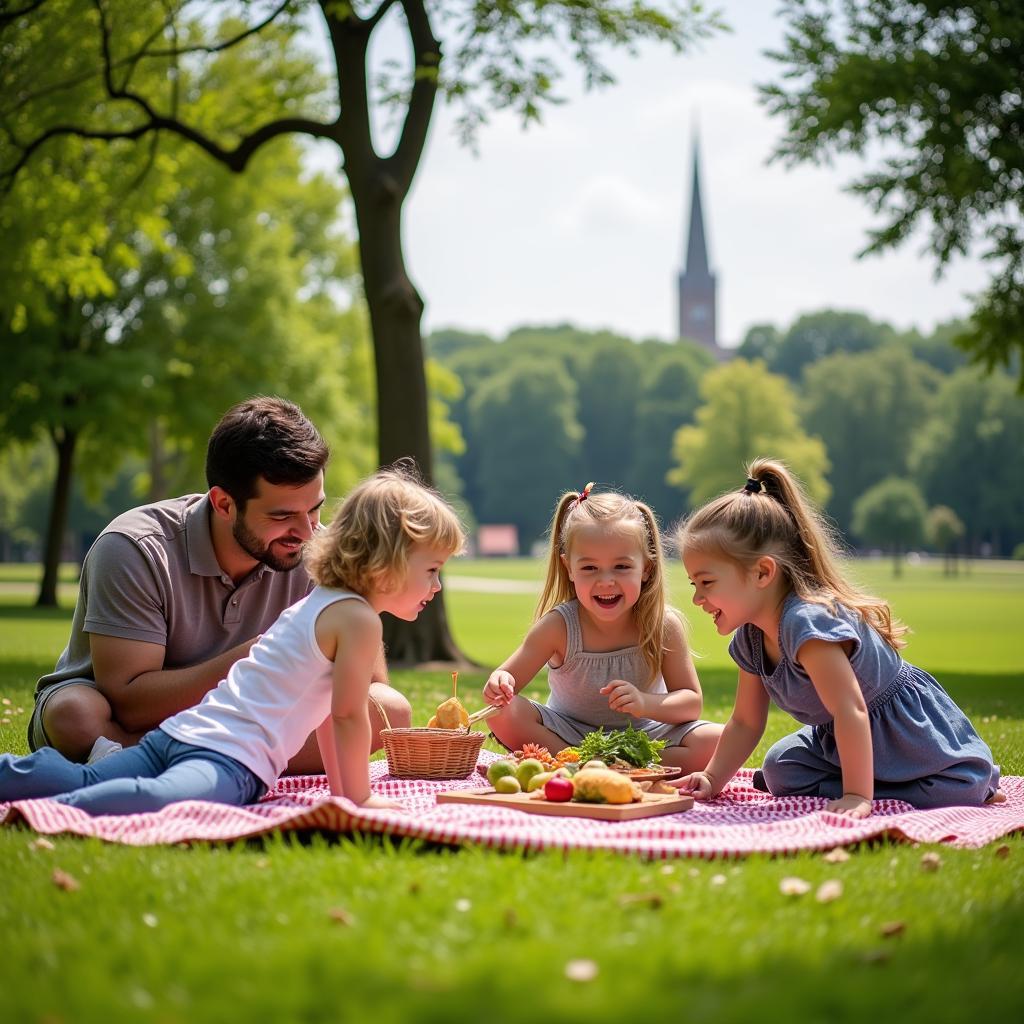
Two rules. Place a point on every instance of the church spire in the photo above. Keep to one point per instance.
(696, 244)
(697, 285)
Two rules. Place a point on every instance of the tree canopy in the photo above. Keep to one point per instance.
(931, 93)
(747, 412)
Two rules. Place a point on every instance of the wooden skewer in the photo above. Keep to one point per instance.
(479, 716)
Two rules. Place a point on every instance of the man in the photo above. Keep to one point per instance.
(174, 593)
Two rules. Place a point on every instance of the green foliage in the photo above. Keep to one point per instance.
(970, 455)
(865, 408)
(631, 745)
(747, 413)
(892, 515)
(524, 422)
(936, 89)
(669, 396)
(815, 336)
(943, 527)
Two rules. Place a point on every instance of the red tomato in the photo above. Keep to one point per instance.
(558, 789)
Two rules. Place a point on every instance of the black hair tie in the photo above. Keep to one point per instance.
(752, 486)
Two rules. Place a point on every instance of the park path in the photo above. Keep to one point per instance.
(490, 585)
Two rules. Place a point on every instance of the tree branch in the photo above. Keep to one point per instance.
(8, 16)
(234, 159)
(372, 21)
(427, 62)
(228, 43)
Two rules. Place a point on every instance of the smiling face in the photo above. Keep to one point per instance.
(422, 581)
(730, 593)
(607, 568)
(277, 521)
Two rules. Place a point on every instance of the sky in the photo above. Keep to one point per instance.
(583, 219)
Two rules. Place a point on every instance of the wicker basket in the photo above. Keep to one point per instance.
(429, 753)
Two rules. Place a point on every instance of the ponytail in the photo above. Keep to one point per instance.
(773, 516)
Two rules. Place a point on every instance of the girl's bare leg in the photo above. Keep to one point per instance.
(694, 753)
(519, 723)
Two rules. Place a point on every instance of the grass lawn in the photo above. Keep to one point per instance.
(247, 931)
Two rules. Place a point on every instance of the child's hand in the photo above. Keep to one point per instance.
(625, 697)
(381, 803)
(500, 688)
(699, 785)
(850, 804)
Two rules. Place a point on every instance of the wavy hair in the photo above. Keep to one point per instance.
(366, 545)
(610, 510)
(777, 518)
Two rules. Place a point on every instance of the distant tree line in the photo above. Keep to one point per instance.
(856, 407)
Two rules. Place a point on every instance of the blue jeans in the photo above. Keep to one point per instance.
(159, 771)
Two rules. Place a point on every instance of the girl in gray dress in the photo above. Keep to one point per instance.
(764, 564)
(616, 655)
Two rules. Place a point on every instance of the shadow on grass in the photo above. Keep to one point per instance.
(20, 611)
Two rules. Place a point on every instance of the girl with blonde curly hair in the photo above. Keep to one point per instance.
(311, 670)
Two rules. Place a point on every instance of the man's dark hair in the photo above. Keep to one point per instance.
(263, 437)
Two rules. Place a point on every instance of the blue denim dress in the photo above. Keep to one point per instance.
(926, 752)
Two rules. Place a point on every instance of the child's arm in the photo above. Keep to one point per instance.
(349, 632)
(545, 641)
(832, 675)
(741, 735)
(682, 703)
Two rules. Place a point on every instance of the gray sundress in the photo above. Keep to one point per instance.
(926, 752)
(575, 706)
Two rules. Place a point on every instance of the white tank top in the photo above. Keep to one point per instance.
(270, 702)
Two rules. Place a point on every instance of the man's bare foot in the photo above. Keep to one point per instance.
(998, 797)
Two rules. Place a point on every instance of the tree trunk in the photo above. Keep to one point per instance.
(403, 430)
(64, 442)
(897, 560)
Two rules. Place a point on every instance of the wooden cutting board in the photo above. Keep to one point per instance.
(651, 805)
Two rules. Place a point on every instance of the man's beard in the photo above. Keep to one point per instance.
(252, 546)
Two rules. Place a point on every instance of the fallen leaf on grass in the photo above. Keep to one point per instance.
(150, 920)
(41, 844)
(581, 970)
(339, 915)
(931, 862)
(829, 891)
(1002, 851)
(794, 886)
(892, 928)
(718, 879)
(64, 881)
(652, 899)
(836, 856)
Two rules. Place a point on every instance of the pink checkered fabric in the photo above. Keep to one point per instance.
(741, 821)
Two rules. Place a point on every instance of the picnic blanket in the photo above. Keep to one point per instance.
(742, 820)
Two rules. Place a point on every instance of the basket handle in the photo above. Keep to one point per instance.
(380, 710)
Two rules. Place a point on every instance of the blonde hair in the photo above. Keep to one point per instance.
(366, 545)
(616, 511)
(773, 516)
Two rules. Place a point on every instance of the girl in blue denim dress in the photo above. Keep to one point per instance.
(765, 566)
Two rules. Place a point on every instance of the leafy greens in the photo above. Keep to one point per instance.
(631, 745)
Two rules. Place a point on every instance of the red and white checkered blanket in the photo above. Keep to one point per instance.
(741, 821)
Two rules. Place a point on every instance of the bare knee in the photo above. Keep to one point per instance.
(74, 717)
(696, 750)
(520, 722)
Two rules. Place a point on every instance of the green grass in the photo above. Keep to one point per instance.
(246, 931)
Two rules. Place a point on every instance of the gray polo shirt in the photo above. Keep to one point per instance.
(152, 575)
